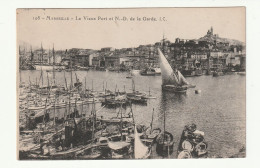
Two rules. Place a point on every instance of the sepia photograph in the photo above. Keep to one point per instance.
(131, 83)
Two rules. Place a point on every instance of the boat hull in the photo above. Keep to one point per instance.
(174, 89)
(192, 143)
(150, 74)
(164, 144)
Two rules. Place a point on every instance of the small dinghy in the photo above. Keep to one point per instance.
(184, 155)
(192, 143)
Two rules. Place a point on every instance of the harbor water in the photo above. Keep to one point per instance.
(219, 110)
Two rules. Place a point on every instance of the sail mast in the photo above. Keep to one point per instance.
(92, 85)
(164, 123)
(42, 76)
(121, 123)
(151, 125)
(41, 54)
(49, 58)
(54, 113)
(53, 57)
(93, 120)
(133, 85)
(65, 81)
(48, 81)
(71, 81)
(31, 55)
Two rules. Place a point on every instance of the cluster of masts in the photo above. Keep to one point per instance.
(79, 136)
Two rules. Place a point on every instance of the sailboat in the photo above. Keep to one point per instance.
(136, 96)
(119, 144)
(140, 150)
(44, 65)
(164, 141)
(172, 80)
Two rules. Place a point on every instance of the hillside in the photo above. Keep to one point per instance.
(212, 38)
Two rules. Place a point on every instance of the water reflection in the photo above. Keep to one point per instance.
(169, 102)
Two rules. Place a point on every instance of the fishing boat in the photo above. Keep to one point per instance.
(149, 96)
(150, 133)
(172, 79)
(136, 96)
(164, 141)
(192, 143)
(118, 132)
(141, 151)
(188, 72)
(136, 99)
(165, 144)
(119, 145)
(150, 72)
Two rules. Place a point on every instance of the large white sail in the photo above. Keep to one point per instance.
(168, 76)
(182, 80)
(141, 151)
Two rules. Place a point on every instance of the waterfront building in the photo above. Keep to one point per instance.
(98, 61)
(82, 57)
(112, 61)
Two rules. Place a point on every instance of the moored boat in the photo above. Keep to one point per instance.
(150, 72)
(141, 151)
(172, 80)
(165, 144)
(192, 143)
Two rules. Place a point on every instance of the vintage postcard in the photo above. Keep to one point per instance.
(131, 83)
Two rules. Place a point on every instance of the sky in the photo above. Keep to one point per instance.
(106, 31)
